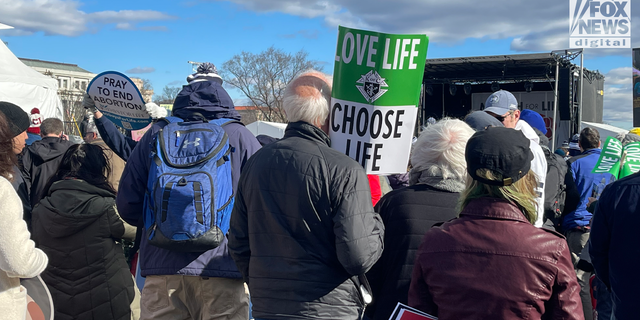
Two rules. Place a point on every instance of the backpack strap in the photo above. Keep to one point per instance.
(224, 121)
(171, 119)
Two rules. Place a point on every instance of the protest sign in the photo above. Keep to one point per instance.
(118, 98)
(375, 96)
(404, 312)
(609, 157)
(618, 160)
(631, 160)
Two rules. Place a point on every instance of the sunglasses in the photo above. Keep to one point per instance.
(501, 118)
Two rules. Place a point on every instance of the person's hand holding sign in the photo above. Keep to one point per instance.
(90, 105)
(118, 99)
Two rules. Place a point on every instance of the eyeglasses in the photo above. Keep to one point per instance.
(502, 118)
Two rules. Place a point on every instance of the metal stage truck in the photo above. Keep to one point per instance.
(453, 87)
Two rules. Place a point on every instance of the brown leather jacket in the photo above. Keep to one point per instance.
(492, 264)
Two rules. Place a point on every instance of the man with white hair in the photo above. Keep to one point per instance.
(503, 106)
(303, 231)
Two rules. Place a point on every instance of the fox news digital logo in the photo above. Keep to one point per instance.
(600, 24)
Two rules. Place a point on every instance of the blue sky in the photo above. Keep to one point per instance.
(155, 39)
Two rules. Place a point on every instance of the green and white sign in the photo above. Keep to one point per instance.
(375, 97)
(631, 162)
(618, 160)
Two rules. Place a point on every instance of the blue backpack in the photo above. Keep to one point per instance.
(189, 191)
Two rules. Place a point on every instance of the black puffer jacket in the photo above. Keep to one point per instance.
(408, 214)
(76, 225)
(302, 227)
(40, 161)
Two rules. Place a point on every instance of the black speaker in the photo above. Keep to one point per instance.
(564, 94)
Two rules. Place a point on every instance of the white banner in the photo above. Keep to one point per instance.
(377, 137)
(118, 98)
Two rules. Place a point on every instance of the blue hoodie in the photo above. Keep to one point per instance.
(209, 99)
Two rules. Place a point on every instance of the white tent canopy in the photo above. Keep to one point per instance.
(27, 88)
(605, 130)
(272, 129)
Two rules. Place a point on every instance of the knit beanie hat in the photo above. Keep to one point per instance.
(16, 117)
(534, 119)
(36, 120)
(206, 72)
(574, 146)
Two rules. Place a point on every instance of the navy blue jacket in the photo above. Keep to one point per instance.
(614, 249)
(115, 140)
(580, 182)
(130, 198)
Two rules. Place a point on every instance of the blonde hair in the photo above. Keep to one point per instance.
(521, 193)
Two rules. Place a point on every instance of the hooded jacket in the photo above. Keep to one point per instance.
(40, 162)
(302, 227)
(210, 100)
(554, 186)
(77, 225)
(538, 166)
(491, 263)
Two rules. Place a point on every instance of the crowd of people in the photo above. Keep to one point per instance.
(489, 222)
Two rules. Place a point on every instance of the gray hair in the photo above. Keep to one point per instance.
(626, 138)
(91, 128)
(307, 97)
(440, 148)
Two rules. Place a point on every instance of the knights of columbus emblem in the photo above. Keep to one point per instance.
(371, 87)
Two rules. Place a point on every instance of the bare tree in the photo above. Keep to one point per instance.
(168, 95)
(145, 87)
(263, 77)
(74, 112)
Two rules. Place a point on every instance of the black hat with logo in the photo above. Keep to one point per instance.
(502, 150)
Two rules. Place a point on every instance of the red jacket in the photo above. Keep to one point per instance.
(492, 264)
(376, 189)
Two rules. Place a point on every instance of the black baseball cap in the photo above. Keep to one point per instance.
(502, 150)
(17, 118)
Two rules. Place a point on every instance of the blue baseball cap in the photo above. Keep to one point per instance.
(501, 102)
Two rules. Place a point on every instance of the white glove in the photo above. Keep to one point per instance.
(88, 103)
(155, 111)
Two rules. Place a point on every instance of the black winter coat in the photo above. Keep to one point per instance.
(302, 227)
(39, 162)
(614, 249)
(408, 214)
(77, 226)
